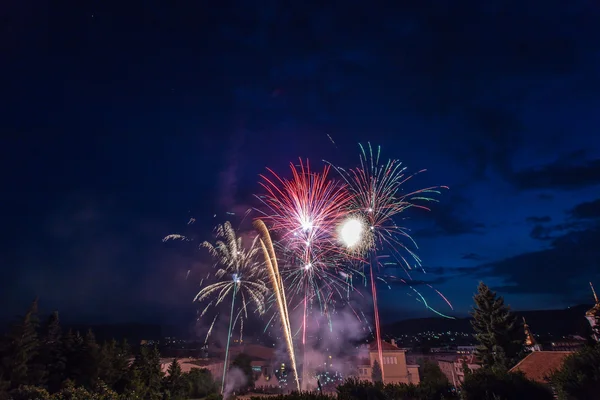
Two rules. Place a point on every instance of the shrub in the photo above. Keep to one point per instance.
(485, 384)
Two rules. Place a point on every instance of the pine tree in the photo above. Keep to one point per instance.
(201, 383)
(376, 374)
(90, 358)
(145, 375)
(106, 363)
(465, 368)
(498, 331)
(22, 348)
(174, 383)
(51, 353)
(72, 344)
(121, 364)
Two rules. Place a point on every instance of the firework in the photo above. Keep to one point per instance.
(239, 275)
(304, 212)
(377, 197)
(278, 289)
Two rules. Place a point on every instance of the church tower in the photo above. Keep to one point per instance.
(593, 316)
(530, 342)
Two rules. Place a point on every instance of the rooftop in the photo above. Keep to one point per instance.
(538, 365)
(385, 346)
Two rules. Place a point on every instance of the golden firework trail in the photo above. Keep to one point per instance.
(278, 289)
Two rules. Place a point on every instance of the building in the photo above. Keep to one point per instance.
(417, 358)
(394, 368)
(187, 364)
(530, 342)
(571, 343)
(465, 350)
(593, 315)
(539, 365)
(455, 370)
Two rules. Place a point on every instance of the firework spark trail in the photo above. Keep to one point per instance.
(305, 211)
(225, 363)
(278, 288)
(239, 274)
(376, 199)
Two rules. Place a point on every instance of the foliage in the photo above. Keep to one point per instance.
(21, 349)
(353, 389)
(113, 364)
(579, 376)
(200, 383)
(145, 375)
(244, 363)
(72, 392)
(175, 385)
(29, 393)
(486, 384)
(432, 374)
(296, 396)
(497, 329)
(376, 373)
(51, 353)
(42, 363)
(465, 368)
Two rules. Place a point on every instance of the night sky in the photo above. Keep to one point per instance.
(121, 120)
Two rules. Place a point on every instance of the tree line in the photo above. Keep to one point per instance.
(38, 361)
(41, 362)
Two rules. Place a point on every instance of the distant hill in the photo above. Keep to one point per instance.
(554, 323)
(134, 333)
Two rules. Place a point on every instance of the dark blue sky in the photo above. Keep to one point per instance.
(122, 119)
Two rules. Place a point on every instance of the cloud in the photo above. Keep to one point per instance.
(561, 174)
(415, 282)
(472, 256)
(450, 218)
(587, 210)
(539, 220)
(572, 259)
(581, 217)
(541, 232)
(493, 137)
(104, 254)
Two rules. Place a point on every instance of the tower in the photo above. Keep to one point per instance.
(593, 316)
(530, 342)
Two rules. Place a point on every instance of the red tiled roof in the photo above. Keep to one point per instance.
(538, 365)
(385, 346)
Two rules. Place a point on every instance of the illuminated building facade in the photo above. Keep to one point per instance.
(394, 368)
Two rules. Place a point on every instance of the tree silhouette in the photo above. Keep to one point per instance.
(22, 348)
(51, 353)
(45, 364)
(376, 374)
(175, 384)
(145, 375)
(498, 331)
(579, 376)
(88, 359)
(486, 384)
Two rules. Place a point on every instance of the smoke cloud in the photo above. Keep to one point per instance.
(235, 380)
